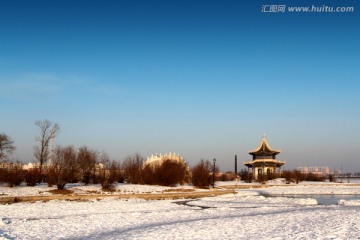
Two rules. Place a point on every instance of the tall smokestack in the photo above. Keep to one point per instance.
(236, 172)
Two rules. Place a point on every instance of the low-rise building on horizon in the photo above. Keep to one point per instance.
(319, 170)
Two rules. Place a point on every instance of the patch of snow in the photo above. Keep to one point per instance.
(278, 181)
(349, 202)
(91, 189)
(312, 189)
(234, 183)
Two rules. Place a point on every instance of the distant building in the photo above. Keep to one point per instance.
(158, 159)
(315, 170)
(31, 165)
(163, 165)
(10, 165)
(264, 160)
(36, 165)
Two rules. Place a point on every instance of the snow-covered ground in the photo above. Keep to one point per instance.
(120, 188)
(341, 189)
(244, 215)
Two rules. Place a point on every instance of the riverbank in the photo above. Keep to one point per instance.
(81, 192)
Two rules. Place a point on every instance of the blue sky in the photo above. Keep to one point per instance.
(203, 79)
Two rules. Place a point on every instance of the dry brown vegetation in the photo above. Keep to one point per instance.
(93, 192)
(62, 191)
(12, 176)
(132, 167)
(242, 186)
(64, 168)
(168, 173)
(109, 175)
(179, 190)
(201, 174)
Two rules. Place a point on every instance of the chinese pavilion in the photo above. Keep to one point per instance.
(264, 160)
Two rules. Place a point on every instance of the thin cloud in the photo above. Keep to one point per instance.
(30, 86)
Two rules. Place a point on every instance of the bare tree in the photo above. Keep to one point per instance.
(228, 176)
(32, 177)
(48, 131)
(64, 168)
(13, 174)
(168, 173)
(245, 175)
(132, 166)
(86, 160)
(6, 146)
(201, 174)
(109, 175)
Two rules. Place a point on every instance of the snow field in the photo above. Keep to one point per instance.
(245, 215)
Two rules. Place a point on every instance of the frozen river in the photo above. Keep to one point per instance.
(322, 199)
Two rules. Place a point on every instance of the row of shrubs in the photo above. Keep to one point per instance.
(131, 171)
(14, 177)
(293, 176)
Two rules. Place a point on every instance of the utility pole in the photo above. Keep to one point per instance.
(214, 173)
(236, 172)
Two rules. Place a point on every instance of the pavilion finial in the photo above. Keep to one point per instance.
(264, 135)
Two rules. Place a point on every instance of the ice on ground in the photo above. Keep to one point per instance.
(302, 189)
(250, 199)
(349, 202)
(278, 181)
(235, 183)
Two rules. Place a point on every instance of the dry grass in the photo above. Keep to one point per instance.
(93, 192)
(242, 186)
(62, 191)
(111, 190)
(77, 200)
(179, 190)
(179, 195)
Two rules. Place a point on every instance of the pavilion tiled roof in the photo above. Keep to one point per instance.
(264, 148)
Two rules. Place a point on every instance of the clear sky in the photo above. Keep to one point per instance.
(204, 79)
